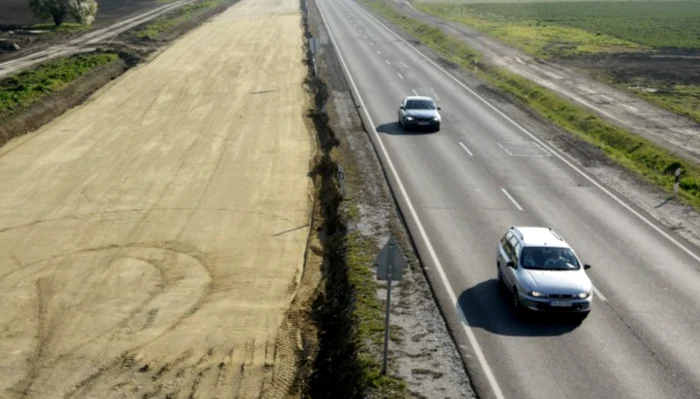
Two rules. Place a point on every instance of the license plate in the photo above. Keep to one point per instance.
(422, 123)
(560, 304)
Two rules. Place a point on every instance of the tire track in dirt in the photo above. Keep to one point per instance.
(190, 270)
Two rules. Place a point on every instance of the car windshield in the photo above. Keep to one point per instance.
(548, 258)
(420, 104)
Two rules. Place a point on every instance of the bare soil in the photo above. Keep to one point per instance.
(155, 237)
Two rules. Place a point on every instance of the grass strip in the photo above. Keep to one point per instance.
(25, 88)
(653, 163)
(163, 24)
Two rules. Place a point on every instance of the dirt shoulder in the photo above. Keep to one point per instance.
(423, 355)
(678, 134)
(167, 226)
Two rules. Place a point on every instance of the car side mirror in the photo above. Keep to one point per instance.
(400, 106)
(439, 108)
(510, 264)
(586, 267)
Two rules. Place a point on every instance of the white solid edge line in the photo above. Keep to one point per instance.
(443, 277)
(600, 294)
(520, 208)
(551, 149)
(466, 149)
(401, 76)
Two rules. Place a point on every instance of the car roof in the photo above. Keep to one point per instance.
(418, 98)
(539, 236)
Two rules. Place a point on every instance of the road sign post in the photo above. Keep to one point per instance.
(677, 181)
(390, 264)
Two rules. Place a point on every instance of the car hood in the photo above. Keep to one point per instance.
(422, 113)
(557, 281)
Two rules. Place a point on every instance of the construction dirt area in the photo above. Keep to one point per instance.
(153, 238)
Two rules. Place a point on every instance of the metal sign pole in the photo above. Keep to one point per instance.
(388, 308)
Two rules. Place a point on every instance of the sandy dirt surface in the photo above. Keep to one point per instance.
(151, 240)
(679, 134)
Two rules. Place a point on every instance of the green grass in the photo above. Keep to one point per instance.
(163, 24)
(681, 99)
(565, 29)
(64, 28)
(649, 161)
(25, 88)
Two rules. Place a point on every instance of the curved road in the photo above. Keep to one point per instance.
(461, 188)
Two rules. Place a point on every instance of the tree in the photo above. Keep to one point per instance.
(83, 11)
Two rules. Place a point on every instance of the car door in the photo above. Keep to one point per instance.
(504, 256)
(511, 272)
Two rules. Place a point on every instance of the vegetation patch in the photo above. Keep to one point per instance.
(163, 24)
(63, 28)
(23, 89)
(640, 156)
(573, 28)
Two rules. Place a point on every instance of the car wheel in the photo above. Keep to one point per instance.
(517, 306)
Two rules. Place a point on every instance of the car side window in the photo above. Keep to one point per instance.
(507, 248)
(516, 253)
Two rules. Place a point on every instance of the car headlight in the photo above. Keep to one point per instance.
(536, 294)
(436, 119)
(583, 295)
(410, 118)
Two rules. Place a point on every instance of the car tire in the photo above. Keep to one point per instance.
(499, 275)
(517, 307)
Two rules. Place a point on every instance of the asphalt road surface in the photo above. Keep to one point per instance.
(461, 188)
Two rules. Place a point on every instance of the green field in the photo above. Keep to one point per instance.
(564, 29)
(22, 90)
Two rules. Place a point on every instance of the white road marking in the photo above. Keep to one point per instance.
(401, 76)
(421, 230)
(600, 295)
(551, 149)
(504, 149)
(435, 94)
(466, 149)
(387, 62)
(371, 44)
(415, 92)
(379, 52)
(520, 208)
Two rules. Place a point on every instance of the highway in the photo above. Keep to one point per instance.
(462, 187)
